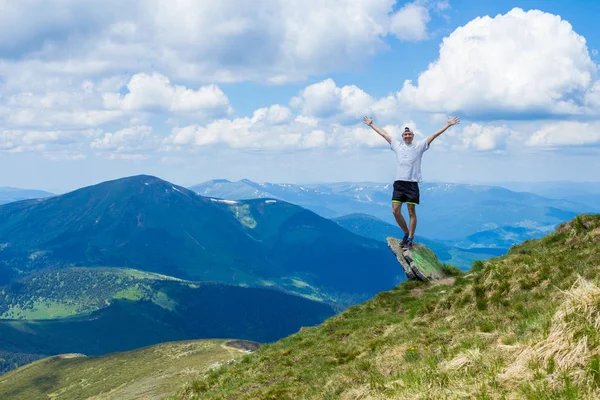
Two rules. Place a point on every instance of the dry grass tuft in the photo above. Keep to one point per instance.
(570, 344)
(463, 361)
(391, 360)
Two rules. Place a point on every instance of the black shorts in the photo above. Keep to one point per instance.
(406, 192)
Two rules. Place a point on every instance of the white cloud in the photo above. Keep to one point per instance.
(273, 115)
(61, 109)
(410, 22)
(485, 138)
(89, 105)
(46, 142)
(516, 63)
(126, 140)
(201, 41)
(592, 97)
(326, 100)
(319, 100)
(263, 131)
(155, 93)
(566, 133)
(442, 5)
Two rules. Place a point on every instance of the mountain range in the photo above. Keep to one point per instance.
(448, 211)
(146, 223)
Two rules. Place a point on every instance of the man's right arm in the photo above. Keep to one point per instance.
(369, 121)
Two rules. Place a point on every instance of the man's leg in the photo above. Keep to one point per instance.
(412, 214)
(397, 211)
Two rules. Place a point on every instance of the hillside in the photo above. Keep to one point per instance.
(150, 372)
(524, 325)
(98, 311)
(148, 224)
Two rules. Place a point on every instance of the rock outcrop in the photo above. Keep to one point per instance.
(419, 263)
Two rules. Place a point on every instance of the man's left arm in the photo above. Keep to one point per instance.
(451, 121)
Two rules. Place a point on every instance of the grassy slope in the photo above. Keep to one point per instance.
(140, 374)
(72, 291)
(209, 311)
(524, 325)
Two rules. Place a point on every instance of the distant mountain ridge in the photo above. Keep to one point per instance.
(10, 194)
(448, 211)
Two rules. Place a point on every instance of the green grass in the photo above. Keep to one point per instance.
(522, 325)
(145, 373)
(77, 291)
(44, 309)
(131, 293)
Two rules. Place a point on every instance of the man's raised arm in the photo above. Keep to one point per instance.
(382, 132)
(451, 121)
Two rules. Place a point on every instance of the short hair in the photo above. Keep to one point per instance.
(407, 129)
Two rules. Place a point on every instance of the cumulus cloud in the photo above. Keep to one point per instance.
(410, 22)
(513, 64)
(276, 128)
(485, 138)
(273, 115)
(565, 133)
(134, 139)
(243, 133)
(60, 109)
(92, 105)
(63, 142)
(347, 104)
(156, 93)
(203, 41)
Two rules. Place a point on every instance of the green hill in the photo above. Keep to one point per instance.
(148, 224)
(147, 373)
(524, 325)
(98, 311)
(73, 291)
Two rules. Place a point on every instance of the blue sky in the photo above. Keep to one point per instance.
(275, 91)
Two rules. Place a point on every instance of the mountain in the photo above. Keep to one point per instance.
(10, 194)
(321, 200)
(148, 224)
(523, 325)
(464, 209)
(150, 372)
(96, 311)
(582, 192)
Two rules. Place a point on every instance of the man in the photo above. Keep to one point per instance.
(408, 174)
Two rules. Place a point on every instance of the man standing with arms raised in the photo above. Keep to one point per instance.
(408, 174)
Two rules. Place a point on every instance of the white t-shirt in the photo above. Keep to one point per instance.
(408, 158)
